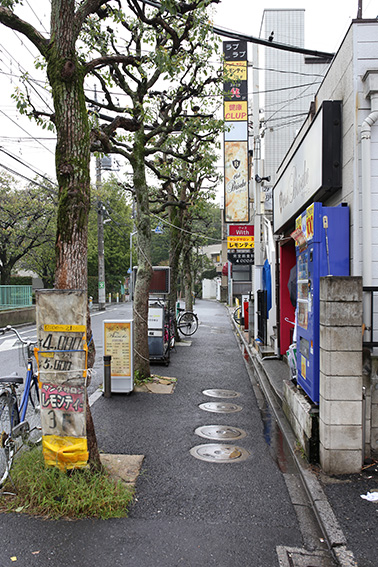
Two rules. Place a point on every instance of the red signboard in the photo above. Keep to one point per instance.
(241, 230)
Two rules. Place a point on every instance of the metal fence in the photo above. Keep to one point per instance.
(15, 296)
(370, 307)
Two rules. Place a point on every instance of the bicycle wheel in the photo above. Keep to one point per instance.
(237, 315)
(8, 415)
(187, 323)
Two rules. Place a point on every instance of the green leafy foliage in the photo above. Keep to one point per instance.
(26, 224)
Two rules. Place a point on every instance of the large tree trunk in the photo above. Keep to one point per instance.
(175, 248)
(141, 353)
(72, 159)
(188, 278)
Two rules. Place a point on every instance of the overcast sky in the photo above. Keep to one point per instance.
(326, 22)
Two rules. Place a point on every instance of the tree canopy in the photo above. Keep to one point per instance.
(26, 222)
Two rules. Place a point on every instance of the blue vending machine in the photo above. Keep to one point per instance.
(322, 249)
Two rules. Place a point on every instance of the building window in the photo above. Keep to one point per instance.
(241, 273)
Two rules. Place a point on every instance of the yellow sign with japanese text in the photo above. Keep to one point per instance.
(235, 70)
(235, 111)
(240, 242)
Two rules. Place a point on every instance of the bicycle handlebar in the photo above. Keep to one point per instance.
(9, 328)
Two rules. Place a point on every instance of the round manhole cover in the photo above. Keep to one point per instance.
(220, 432)
(214, 453)
(219, 407)
(221, 393)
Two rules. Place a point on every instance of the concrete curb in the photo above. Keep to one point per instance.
(323, 511)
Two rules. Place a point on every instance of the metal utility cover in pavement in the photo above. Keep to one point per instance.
(216, 393)
(220, 432)
(217, 453)
(220, 407)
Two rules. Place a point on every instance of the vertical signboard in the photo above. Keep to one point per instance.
(62, 372)
(236, 196)
(118, 343)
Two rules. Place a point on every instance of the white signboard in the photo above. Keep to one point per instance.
(302, 177)
(118, 343)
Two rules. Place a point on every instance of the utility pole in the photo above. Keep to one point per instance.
(100, 239)
(100, 234)
(257, 268)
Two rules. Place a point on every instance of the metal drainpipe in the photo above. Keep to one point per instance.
(366, 189)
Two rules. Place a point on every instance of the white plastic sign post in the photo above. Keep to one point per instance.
(118, 343)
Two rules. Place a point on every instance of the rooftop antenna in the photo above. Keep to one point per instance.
(359, 11)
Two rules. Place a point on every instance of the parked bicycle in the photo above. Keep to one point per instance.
(187, 322)
(237, 315)
(19, 421)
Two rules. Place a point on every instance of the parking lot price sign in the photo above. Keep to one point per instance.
(62, 373)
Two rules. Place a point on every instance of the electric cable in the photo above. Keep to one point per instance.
(22, 176)
(26, 132)
(250, 39)
(28, 166)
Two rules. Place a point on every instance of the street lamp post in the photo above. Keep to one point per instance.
(131, 265)
(100, 240)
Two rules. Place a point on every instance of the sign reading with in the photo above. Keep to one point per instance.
(241, 230)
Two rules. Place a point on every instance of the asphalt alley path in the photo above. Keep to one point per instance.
(187, 512)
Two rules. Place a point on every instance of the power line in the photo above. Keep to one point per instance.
(285, 88)
(28, 166)
(22, 176)
(289, 72)
(26, 132)
(26, 77)
(186, 231)
(250, 39)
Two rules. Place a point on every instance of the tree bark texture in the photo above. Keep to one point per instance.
(188, 278)
(72, 161)
(72, 156)
(144, 274)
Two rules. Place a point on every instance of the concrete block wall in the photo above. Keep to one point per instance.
(373, 406)
(340, 404)
(17, 316)
(303, 418)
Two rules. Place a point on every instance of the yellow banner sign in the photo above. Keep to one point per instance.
(235, 111)
(64, 328)
(240, 242)
(235, 70)
(248, 238)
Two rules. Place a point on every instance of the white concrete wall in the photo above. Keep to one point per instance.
(209, 289)
(357, 54)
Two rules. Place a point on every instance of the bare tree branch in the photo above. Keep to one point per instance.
(9, 19)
